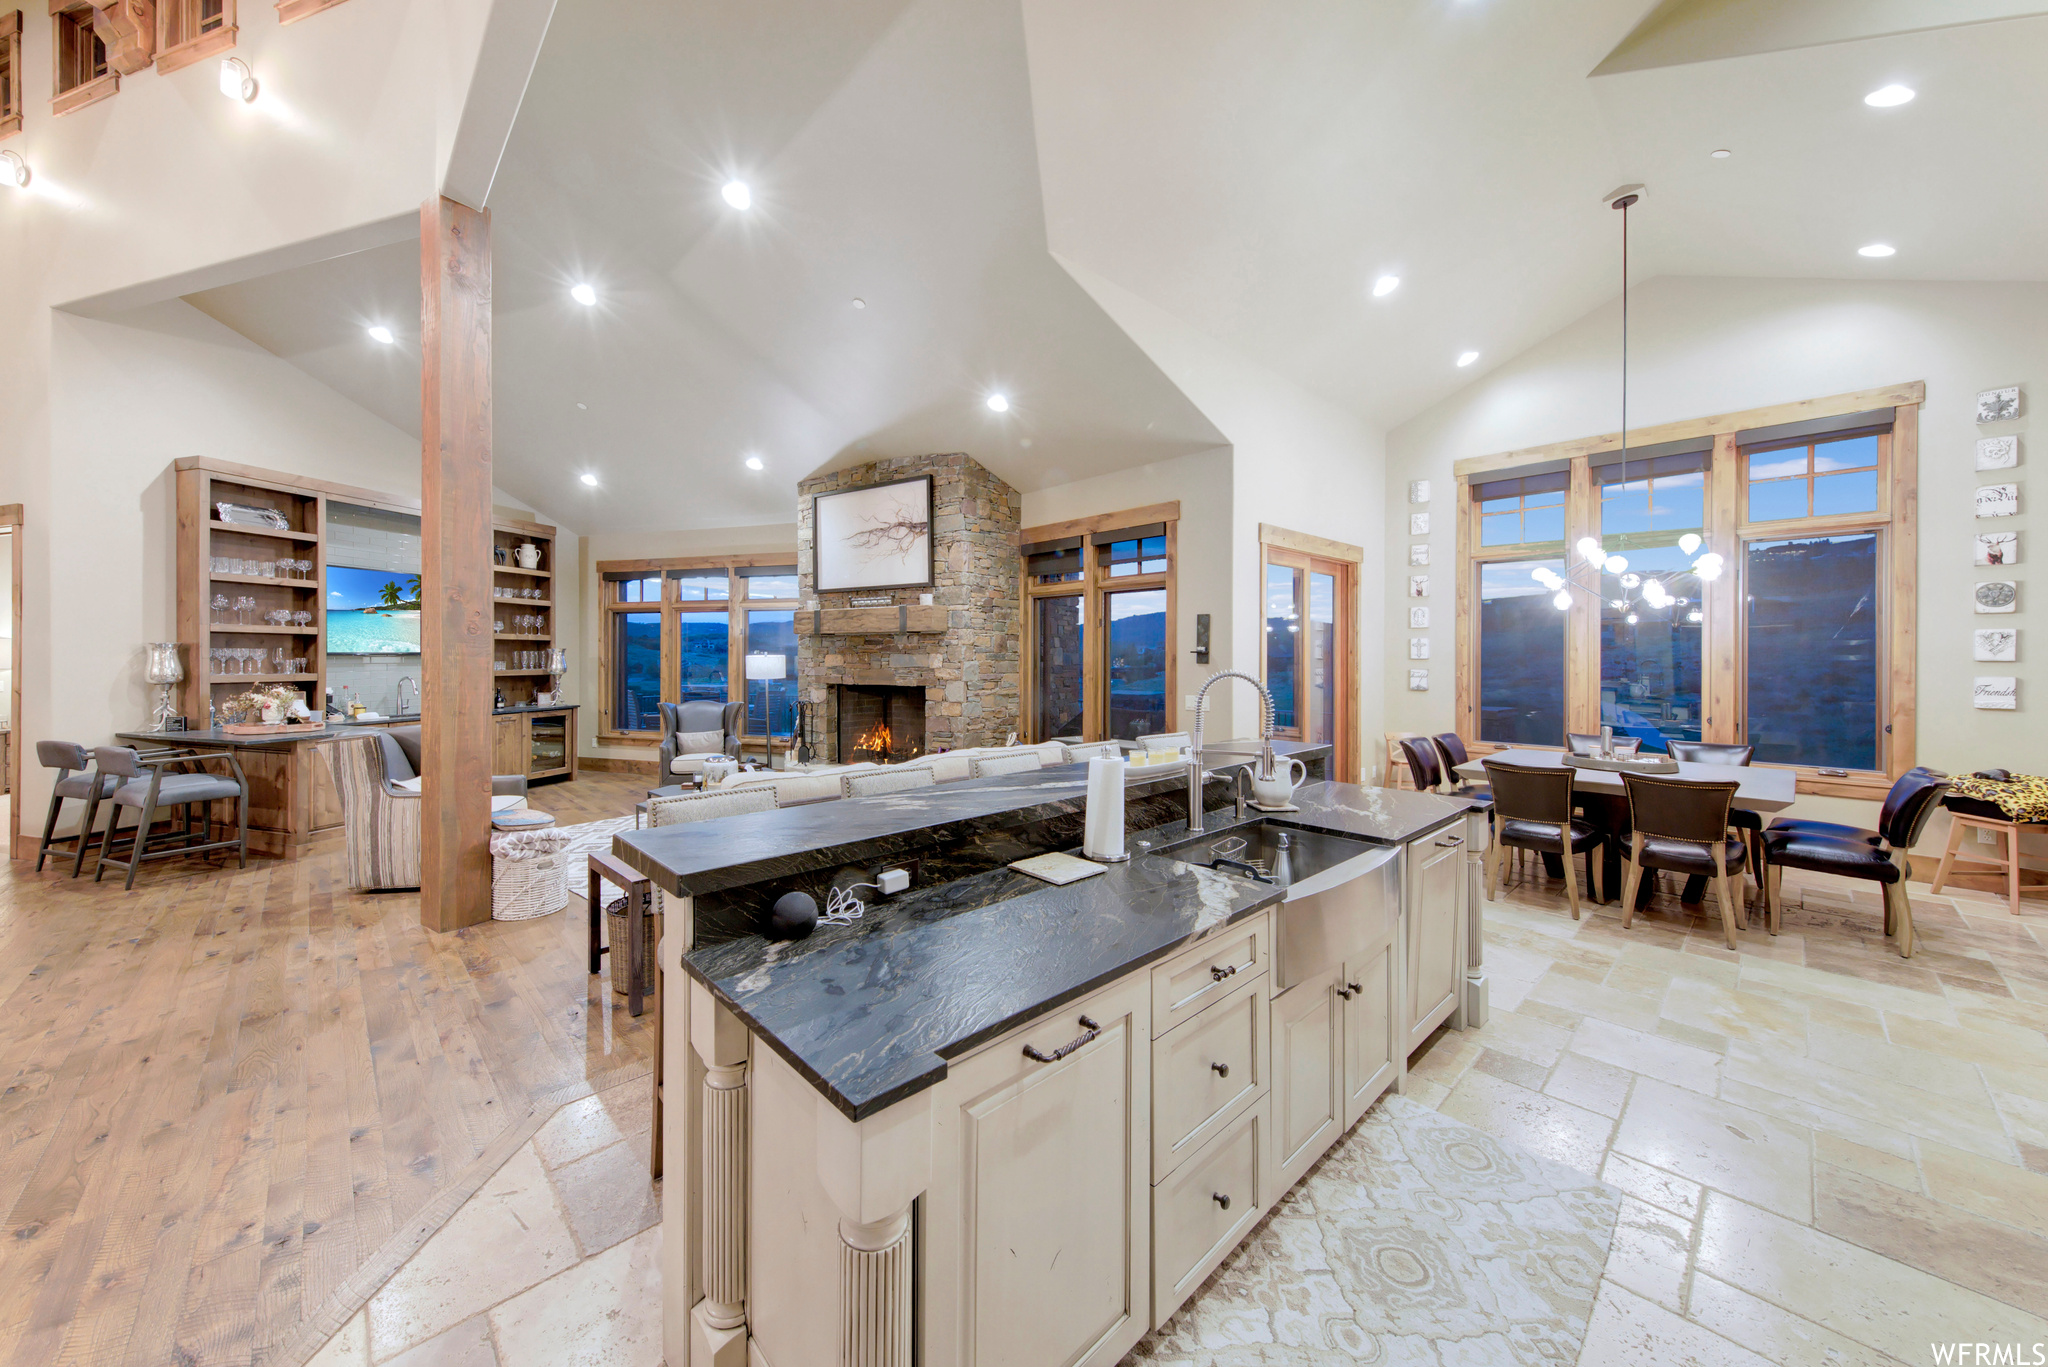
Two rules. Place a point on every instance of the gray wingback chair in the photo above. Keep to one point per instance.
(684, 728)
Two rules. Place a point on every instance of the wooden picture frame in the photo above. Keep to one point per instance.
(865, 538)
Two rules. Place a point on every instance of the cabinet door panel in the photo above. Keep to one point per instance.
(1370, 1030)
(1307, 1050)
(1044, 1261)
(509, 748)
(1436, 883)
(1206, 1071)
(1201, 1212)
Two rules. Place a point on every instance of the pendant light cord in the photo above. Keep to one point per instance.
(1622, 204)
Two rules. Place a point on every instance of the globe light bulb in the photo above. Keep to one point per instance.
(1563, 601)
(1693, 616)
(1629, 581)
(1616, 564)
(1590, 548)
(1688, 543)
(1631, 619)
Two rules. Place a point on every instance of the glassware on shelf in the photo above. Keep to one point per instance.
(277, 661)
(305, 569)
(303, 618)
(220, 608)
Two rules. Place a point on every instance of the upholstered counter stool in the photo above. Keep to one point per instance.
(74, 780)
(146, 787)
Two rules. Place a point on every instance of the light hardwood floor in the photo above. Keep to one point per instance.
(233, 1102)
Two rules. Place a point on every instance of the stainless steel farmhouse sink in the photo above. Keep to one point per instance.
(1340, 893)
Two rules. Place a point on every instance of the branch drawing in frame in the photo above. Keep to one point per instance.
(875, 537)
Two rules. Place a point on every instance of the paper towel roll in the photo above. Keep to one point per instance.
(1103, 828)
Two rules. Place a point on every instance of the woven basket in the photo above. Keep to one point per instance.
(618, 937)
(527, 874)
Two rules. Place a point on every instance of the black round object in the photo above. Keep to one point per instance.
(794, 916)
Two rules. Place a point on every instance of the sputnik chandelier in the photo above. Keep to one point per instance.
(1635, 589)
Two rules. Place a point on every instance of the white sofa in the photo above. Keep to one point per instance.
(949, 766)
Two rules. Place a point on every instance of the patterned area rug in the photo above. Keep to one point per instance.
(591, 835)
(1417, 1240)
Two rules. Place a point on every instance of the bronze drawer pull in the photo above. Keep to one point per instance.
(1220, 1199)
(1356, 988)
(1220, 971)
(1031, 1051)
(1447, 844)
(1222, 1069)
(1345, 991)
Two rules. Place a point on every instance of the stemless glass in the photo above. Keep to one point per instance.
(220, 608)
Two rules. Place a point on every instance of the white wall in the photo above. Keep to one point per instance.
(585, 684)
(1704, 346)
(1298, 461)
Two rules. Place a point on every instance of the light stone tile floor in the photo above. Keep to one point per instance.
(1832, 1157)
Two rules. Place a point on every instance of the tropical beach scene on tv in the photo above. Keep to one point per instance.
(372, 612)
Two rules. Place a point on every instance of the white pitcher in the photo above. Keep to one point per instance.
(1278, 791)
(529, 556)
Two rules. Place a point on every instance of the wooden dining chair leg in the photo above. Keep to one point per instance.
(1635, 876)
(1571, 877)
(1899, 914)
(1593, 861)
(1721, 890)
(2012, 866)
(1774, 878)
(1492, 869)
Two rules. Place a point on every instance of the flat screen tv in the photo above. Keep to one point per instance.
(372, 612)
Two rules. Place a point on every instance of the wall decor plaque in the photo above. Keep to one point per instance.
(875, 537)
(1418, 647)
(1418, 524)
(1998, 405)
(1418, 491)
(1418, 618)
(1998, 595)
(1418, 586)
(1418, 554)
(1997, 453)
(1996, 643)
(1996, 694)
(1998, 548)
(1998, 500)
(1418, 681)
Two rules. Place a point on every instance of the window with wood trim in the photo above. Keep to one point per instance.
(681, 630)
(1310, 657)
(291, 11)
(188, 31)
(1801, 646)
(10, 73)
(81, 75)
(1099, 626)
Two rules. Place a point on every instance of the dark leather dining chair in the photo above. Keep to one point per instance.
(1452, 748)
(1750, 824)
(1885, 860)
(1903, 790)
(1425, 765)
(1576, 744)
(1682, 825)
(1532, 810)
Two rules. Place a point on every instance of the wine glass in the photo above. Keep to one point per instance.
(220, 608)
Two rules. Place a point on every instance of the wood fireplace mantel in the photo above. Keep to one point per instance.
(903, 619)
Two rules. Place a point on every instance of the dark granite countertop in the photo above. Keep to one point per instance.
(335, 726)
(870, 1013)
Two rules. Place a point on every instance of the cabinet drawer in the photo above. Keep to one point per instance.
(1206, 1072)
(1183, 985)
(1201, 1212)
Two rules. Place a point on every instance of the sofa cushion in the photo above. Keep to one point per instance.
(700, 742)
(690, 764)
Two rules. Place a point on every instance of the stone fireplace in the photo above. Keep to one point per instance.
(882, 723)
(961, 654)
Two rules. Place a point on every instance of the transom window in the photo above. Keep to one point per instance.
(1523, 511)
(1813, 479)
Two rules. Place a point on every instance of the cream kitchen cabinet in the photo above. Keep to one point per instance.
(1433, 913)
(1039, 1211)
(1308, 1070)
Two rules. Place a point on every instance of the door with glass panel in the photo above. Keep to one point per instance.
(1311, 665)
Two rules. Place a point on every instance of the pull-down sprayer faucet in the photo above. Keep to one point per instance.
(1196, 771)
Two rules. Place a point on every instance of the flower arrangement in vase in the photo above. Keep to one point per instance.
(267, 709)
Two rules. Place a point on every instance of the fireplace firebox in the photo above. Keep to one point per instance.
(882, 723)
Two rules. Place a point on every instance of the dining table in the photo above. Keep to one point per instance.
(1760, 788)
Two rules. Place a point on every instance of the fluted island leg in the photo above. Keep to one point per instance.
(874, 1293)
(719, 1334)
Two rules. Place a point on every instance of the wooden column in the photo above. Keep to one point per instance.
(455, 564)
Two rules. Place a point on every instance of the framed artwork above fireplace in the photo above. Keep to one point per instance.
(875, 537)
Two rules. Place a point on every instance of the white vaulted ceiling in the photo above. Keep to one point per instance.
(1248, 169)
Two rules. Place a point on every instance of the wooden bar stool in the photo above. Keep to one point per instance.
(1962, 821)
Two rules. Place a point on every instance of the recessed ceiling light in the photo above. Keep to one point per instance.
(860, 303)
(1720, 154)
(738, 195)
(1889, 96)
(1467, 357)
(755, 463)
(382, 334)
(588, 478)
(1026, 442)
(1385, 286)
(999, 403)
(1876, 249)
(583, 406)
(583, 294)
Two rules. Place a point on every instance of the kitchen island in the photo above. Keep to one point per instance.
(1016, 1122)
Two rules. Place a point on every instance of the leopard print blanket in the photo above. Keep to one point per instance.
(2023, 798)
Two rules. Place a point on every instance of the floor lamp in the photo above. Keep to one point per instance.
(766, 667)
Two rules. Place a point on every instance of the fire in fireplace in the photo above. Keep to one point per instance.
(882, 723)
